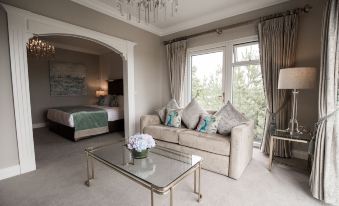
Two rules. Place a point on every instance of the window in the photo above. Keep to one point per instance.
(206, 78)
(229, 71)
(247, 85)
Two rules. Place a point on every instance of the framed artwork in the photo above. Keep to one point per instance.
(67, 79)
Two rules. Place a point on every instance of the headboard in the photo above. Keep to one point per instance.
(115, 87)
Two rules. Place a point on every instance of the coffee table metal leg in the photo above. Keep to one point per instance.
(88, 172)
(195, 181)
(199, 184)
(152, 197)
(171, 196)
(92, 166)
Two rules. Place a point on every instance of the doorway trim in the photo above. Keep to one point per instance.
(22, 25)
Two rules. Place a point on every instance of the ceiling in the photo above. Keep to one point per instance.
(77, 44)
(191, 13)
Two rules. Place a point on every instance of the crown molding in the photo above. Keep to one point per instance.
(181, 26)
(220, 15)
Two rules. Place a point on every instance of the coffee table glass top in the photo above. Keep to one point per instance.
(161, 168)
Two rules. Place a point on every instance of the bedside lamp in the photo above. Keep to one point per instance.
(297, 78)
(100, 92)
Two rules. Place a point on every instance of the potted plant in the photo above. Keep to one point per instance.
(139, 145)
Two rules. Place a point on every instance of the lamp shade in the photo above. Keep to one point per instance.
(297, 78)
(100, 92)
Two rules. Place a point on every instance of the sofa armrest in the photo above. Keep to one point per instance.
(147, 120)
(241, 148)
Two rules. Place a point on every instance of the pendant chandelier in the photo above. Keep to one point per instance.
(147, 10)
(40, 48)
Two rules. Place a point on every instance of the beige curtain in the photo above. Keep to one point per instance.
(277, 43)
(324, 180)
(176, 61)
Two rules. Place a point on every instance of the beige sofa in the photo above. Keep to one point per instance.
(227, 155)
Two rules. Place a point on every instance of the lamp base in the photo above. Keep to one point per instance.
(293, 128)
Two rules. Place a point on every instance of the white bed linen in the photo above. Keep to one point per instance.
(55, 115)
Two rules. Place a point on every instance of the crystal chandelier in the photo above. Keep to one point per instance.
(146, 9)
(40, 48)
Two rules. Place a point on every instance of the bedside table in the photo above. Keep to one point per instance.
(285, 136)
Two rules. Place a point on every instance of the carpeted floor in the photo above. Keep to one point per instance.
(60, 175)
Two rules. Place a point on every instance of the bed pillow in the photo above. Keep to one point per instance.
(173, 118)
(229, 118)
(191, 114)
(208, 124)
(107, 100)
(101, 100)
(113, 101)
(172, 104)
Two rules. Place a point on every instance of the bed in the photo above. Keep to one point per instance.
(78, 122)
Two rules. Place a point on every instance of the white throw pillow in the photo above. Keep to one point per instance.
(172, 104)
(191, 114)
(229, 118)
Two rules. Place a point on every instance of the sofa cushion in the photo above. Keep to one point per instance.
(172, 104)
(229, 118)
(214, 143)
(173, 118)
(162, 132)
(191, 114)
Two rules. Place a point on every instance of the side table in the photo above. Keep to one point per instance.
(285, 136)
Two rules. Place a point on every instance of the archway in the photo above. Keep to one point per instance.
(22, 25)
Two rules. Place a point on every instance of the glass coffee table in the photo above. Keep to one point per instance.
(160, 172)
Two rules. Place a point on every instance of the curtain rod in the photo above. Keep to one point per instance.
(305, 9)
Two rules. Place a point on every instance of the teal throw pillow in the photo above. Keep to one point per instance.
(173, 117)
(208, 124)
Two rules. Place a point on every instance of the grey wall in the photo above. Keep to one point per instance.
(8, 143)
(111, 67)
(308, 46)
(38, 71)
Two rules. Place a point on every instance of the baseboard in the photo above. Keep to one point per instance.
(9, 172)
(300, 154)
(39, 125)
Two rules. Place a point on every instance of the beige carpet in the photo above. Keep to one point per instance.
(59, 180)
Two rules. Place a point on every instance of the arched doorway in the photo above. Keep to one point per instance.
(22, 25)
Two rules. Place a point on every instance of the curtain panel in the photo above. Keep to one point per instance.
(277, 44)
(324, 179)
(176, 62)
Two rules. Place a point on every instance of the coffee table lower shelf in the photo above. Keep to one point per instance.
(153, 189)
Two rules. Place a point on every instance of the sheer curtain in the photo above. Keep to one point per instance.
(277, 43)
(176, 62)
(324, 180)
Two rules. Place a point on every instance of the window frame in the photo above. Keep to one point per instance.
(227, 68)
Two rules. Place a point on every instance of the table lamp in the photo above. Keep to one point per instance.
(296, 79)
(100, 92)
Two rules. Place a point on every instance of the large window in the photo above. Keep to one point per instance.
(228, 72)
(247, 85)
(206, 78)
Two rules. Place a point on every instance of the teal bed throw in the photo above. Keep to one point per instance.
(85, 117)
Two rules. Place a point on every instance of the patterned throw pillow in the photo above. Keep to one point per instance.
(208, 124)
(173, 117)
(101, 100)
(113, 101)
(172, 104)
(229, 118)
(191, 114)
